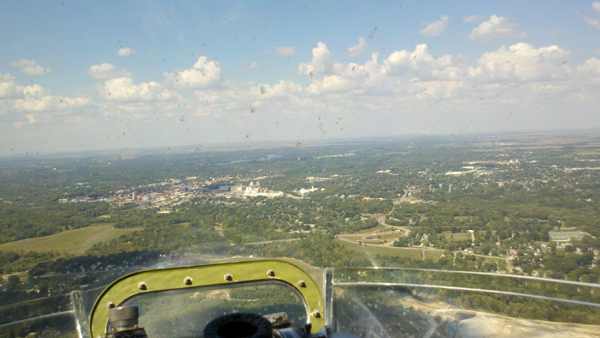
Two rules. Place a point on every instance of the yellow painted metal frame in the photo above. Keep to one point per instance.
(207, 275)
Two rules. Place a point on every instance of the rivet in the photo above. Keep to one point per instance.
(228, 277)
(316, 314)
(301, 283)
(142, 286)
(187, 281)
(110, 305)
(271, 273)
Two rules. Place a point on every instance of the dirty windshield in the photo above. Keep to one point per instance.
(434, 167)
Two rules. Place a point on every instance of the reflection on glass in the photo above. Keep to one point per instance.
(424, 303)
(182, 313)
(55, 325)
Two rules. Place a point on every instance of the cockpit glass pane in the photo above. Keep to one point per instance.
(183, 313)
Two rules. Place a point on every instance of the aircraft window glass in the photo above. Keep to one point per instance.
(185, 312)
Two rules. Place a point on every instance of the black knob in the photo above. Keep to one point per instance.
(239, 325)
(123, 317)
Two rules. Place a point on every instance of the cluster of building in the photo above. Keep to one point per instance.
(312, 179)
(177, 193)
(252, 190)
(468, 170)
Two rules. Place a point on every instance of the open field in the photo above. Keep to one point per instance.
(370, 230)
(393, 236)
(22, 276)
(384, 251)
(71, 241)
(433, 255)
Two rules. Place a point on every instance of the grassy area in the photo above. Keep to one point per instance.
(371, 230)
(434, 255)
(495, 259)
(22, 276)
(393, 236)
(70, 241)
(375, 250)
(378, 242)
(588, 152)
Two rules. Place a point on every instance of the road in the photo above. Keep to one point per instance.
(371, 236)
(387, 230)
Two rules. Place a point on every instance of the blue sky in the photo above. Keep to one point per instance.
(230, 71)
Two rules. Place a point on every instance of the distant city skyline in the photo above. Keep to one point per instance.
(78, 76)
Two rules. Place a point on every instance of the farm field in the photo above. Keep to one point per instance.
(384, 251)
(74, 241)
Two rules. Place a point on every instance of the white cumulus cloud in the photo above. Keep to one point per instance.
(16, 98)
(122, 89)
(328, 77)
(358, 49)
(473, 18)
(8, 87)
(243, 98)
(594, 23)
(252, 64)
(590, 69)
(285, 50)
(30, 67)
(523, 62)
(496, 26)
(125, 52)
(419, 63)
(280, 89)
(435, 28)
(36, 98)
(320, 63)
(203, 74)
(332, 84)
(106, 71)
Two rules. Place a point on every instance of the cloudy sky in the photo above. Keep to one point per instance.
(78, 75)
